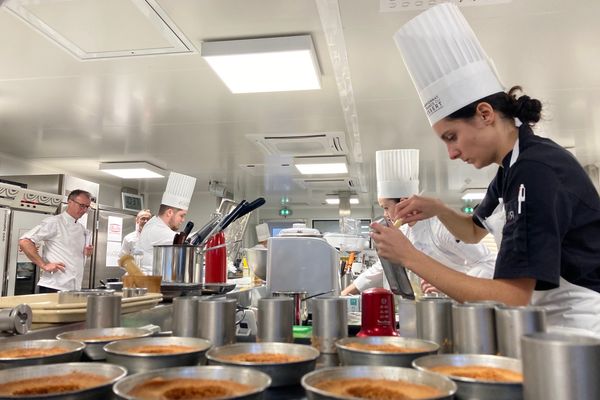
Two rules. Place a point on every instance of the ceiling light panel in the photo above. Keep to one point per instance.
(264, 65)
(321, 165)
(132, 170)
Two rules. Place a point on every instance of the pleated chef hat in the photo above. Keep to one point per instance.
(445, 60)
(179, 191)
(262, 232)
(397, 173)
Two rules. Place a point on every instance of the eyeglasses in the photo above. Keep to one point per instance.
(81, 205)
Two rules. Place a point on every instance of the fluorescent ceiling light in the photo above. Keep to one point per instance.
(132, 170)
(473, 194)
(321, 165)
(335, 200)
(276, 64)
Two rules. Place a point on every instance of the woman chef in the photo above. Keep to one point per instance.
(541, 207)
(398, 178)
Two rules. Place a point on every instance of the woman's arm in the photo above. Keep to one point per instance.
(394, 246)
(461, 225)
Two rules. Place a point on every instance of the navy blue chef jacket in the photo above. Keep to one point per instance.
(557, 232)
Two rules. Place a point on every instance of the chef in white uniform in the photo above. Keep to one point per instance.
(541, 207)
(161, 228)
(397, 178)
(65, 245)
(131, 239)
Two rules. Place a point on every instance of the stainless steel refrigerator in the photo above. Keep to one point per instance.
(20, 210)
(113, 224)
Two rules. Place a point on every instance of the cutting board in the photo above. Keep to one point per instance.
(46, 309)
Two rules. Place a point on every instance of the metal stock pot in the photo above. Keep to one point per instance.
(179, 263)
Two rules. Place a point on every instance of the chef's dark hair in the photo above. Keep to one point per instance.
(78, 192)
(164, 208)
(528, 110)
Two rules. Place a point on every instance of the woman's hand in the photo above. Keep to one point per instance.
(417, 208)
(392, 244)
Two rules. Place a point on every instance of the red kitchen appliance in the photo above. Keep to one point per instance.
(378, 313)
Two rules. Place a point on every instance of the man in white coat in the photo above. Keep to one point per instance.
(161, 228)
(131, 239)
(65, 246)
(397, 178)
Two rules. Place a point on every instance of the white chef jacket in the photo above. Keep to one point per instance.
(64, 241)
(155, 232)
(432, 238)
(129, 242)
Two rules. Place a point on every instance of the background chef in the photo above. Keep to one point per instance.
(161, 228)
(398, 178)
(131, 239)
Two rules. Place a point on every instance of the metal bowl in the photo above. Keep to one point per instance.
(469, 388)
(116, 353)
(353, 356)
(80, 296)
(436, 381)
(282, 374)
(100, 392)
(72, 353)
(245, 376)
(257, 260)
(93, 342)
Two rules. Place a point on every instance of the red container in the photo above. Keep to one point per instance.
(216, 260)
(378, 313)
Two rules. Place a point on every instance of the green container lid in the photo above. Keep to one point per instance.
(301, 331)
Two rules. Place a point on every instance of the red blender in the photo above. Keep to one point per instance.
(378, 313)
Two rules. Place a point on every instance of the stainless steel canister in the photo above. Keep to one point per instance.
(406, 309)
(185, 316)
(16, 320)
(560, 366)
(179, 263)
(275, 320)
(514, 322)
(300, 306)
(474, 328)
(216, 320)
(103, 311)
(329, 321)
(434, 321)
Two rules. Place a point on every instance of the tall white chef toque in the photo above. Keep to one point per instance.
(262, 232)
(179, 191)
(397, 173)
(446, 62)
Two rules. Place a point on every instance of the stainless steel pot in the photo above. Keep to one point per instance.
(178, 263)
(245, 376)
(72, 353)
(472, 389)
(94, 342)
(355, 356)
(100, 392)
(257, 260)
(282, 374)
(81, 296)
(436, 381)
(117, 353)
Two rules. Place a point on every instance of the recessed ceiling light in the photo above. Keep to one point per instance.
(321, 165)
(132, 170)
(334, 200)
(473, 194)
(264, 65)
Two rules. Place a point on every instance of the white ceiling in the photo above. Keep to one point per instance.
(172, 110)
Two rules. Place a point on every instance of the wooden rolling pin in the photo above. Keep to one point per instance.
(127, 261)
